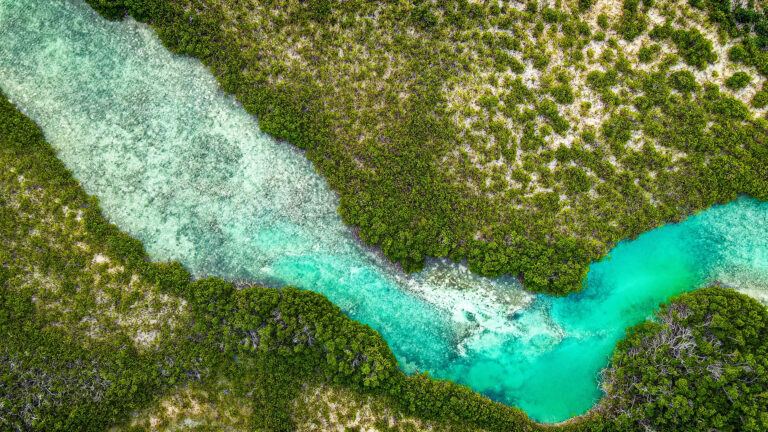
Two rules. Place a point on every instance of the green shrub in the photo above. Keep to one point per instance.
(563, 94)
(602, 21)
(683, 81)
(738, 80)
(738, 54)
(602, 80)
(617, 130)
(642, 103)
(488, 101)
(695, 49)
(599, 36)
(575, 180)
(731, 108)
(632, 22)
(647, 53)
(655, 88)
(584, 5)
(760, 100)
(423, 17)
(49, 383)
(711, 91)
(588, 135)
(548, 109)
(550, 15)
(661, 32)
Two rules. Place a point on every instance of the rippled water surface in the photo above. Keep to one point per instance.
(182, 167)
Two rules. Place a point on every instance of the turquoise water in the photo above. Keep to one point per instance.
(182, 167)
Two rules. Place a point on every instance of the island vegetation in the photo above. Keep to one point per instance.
(92, 330)
(448, 129)
(93, 335)
(702, 365)
(524, 138)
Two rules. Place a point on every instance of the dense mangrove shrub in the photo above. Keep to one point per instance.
(701, 365)
(49, 383)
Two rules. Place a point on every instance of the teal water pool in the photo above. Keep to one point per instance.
(184, 168)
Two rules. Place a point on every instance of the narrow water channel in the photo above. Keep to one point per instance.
(185, 169)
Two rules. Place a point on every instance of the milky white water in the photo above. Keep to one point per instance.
(182, 167)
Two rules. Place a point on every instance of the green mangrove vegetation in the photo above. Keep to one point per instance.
(526, 138)
(702, 365)
(93, 334)
(92, 331)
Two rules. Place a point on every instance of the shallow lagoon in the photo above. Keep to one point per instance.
(182, 167)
